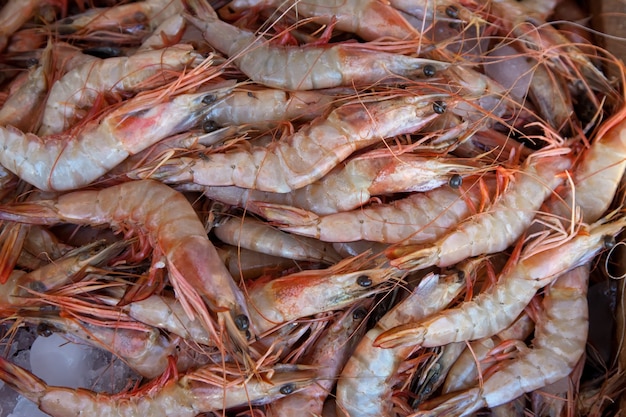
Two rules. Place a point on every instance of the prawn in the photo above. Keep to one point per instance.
(364, 386)
(560, 339)
(261, 237)
(369, 19)
(314, 67)
(78, 89)
(308, 154)
(76, 158)
(186, 396)
(496, 229)
(495, 309)
(197, 274)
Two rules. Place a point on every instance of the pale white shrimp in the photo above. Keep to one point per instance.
(496, 229)
(315, 67)
(352, 184)
(418, 218)
(560, 339)
(495, 309)
(75, 92)
(75, 159)
(189, 395)
(364, 387)
(21, 106)
(261, 237)
(307, 155)
(196, 272)
(168, 33)
(13, 15)
(245, 264)
(369, 19)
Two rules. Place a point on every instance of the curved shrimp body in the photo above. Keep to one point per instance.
(13, 15)
(496, 229)
(369, 19)
(19, 108)
(364, 387)
(295, 68)
(75, 159)
(307, 155)
(261, 237)
(494, 310)
(173, 227)
(78, 89)
(560, 339)
(188, 396)
(417, 219)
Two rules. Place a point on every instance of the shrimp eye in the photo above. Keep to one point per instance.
(429, 70)
(44, 330)
(452, 12)
(359, 313)
(248, 335)
(455, 181)
(209, 126)
(364, 281)
(608, 241)
(242, 322)
(209, 98)
(439, 107)
(287, 389)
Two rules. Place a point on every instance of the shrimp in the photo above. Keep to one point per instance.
(495, 309)
(191, 394)
(418, 218)
(13, 15)
(76, 158)
(261, 237)
(174, 230)
(364, 386)
(496, 229)
(21, 105)
(314, 67)
(560, 339)
(247, 264)
(78, 89)
(307, 155)
(369, 19)
(168, 33)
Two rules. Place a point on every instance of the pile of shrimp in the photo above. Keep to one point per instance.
(313, 207)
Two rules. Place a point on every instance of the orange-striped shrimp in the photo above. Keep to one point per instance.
(314, 67)
(189, 395)
(310, 153)
(495, 229)
(364, 387)
(195, 269)
(261, 237)
(417, 219)
(75, 92)
(495, 309)
(560, 339)
(368, 19)
(76, 158)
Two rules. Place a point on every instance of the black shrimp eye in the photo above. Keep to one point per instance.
(452, 12)
(608, 241)
(208, 99)
(242, 322)
(359, 313)
(44, 330)
(364, 281)
(439, 107)
(248, 335)
(287, 389)
(209, 126)
(455, 181)
(429, 70)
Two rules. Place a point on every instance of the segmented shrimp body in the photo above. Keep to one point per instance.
(364, 387)
(187, 396)
(307, 155)
(175, 231)
(77, 158)
(495, 309)
(560, 339)
(77, 90)
(497, 228)
(315, 67)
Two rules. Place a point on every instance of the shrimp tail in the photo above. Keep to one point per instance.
(411, 334)
(22, 381)
(282, 215)
(41, 212)
(414, 260)
(202, 10)
(461, 404)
